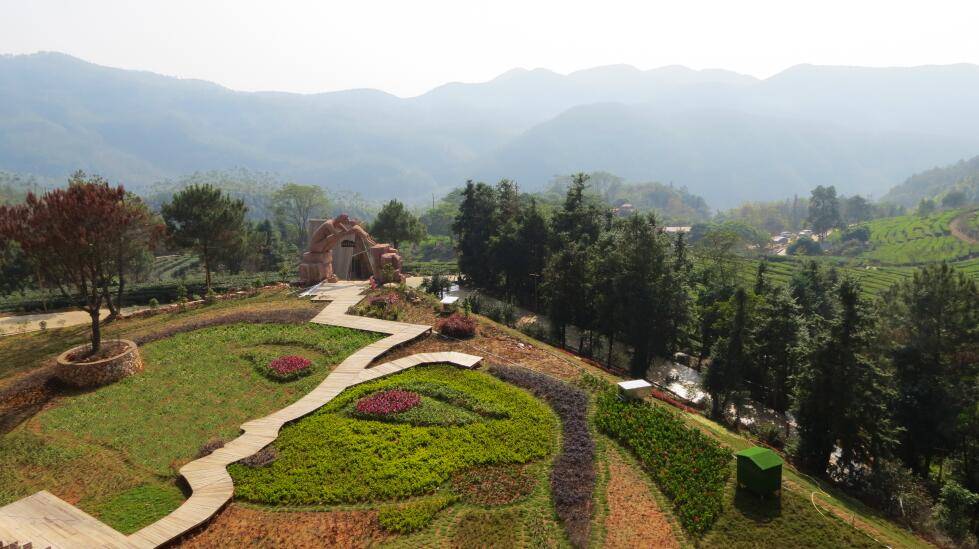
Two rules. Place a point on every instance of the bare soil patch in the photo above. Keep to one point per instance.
(239, 526)
(634, 518)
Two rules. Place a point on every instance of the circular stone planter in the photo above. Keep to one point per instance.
(100, 372)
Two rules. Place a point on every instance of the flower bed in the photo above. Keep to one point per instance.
(690, 468)
(288, 367)
(573, 475)
(457, 325)
(388, 402)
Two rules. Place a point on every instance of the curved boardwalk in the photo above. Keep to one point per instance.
(48, 521)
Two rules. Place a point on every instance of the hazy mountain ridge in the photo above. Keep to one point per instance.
(725, 136)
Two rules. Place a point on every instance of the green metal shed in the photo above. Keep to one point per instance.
(759, 470)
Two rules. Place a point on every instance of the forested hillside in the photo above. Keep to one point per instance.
(954, 185)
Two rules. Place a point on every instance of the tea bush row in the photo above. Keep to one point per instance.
(690, 468)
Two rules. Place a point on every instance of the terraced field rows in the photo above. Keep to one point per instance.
(874, 280)
(915, 240)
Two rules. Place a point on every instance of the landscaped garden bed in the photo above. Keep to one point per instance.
(334, 456)
(689, 467)
(120, 446)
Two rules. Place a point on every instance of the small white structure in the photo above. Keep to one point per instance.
(449, 302)
(636, 389)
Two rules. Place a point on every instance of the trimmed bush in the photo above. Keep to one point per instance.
(690, 468)
(573, 475)
(288, 367)
(457, 325)
(404, 518)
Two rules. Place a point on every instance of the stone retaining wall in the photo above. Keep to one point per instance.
(100, 372)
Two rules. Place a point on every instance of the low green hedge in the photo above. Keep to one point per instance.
(404, 518)
(689, 467)
(142, 293)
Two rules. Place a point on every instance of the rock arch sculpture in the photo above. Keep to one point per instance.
(341, 248)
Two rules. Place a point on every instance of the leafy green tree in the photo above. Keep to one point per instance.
(565, 279)
(474, 227)
(954, 199)
(438, 219)
(805, 246)
(954, 510)
(776, 340)
(294, 205)
(15, 271)
(856, 209)
(824, 210)
(648, 292)
(927, 206)
(133, 249)
(729, 359)
(533, 249)
(578, 219)
(395, 224)
(843, 396)
(932, 326)
(716, 275)
(202, 218)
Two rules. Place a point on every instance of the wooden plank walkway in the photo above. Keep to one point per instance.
(48, 521)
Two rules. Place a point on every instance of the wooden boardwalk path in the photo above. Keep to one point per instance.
(49, 521)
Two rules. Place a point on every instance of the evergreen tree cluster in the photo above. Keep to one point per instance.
(881, 393)
(611, 280)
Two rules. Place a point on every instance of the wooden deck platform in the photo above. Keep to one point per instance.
(46, 520)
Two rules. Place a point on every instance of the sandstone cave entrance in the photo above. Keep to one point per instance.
(351, 260)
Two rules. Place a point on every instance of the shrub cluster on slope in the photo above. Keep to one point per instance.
(689, 467)
(573, 476)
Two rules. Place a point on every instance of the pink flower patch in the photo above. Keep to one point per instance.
(388, 402)
(288, 365)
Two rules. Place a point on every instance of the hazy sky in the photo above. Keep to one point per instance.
(409, 46)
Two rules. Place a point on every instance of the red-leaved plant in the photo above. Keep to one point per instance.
(457, 325)
(289, 367)
(388, 402)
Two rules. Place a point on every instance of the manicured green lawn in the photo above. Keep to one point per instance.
(20, 353)
(791, 521)
(115, 451)
(333, 457)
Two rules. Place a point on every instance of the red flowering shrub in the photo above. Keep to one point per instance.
(288, 367)
(388, 402)
(457, 325)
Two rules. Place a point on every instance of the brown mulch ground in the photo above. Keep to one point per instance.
(239, 526)
(634, 518)
(493, 343)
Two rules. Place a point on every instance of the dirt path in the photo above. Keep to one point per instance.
(957, 227)
(634, 518)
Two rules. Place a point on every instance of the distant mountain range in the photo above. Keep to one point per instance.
(724, 136)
